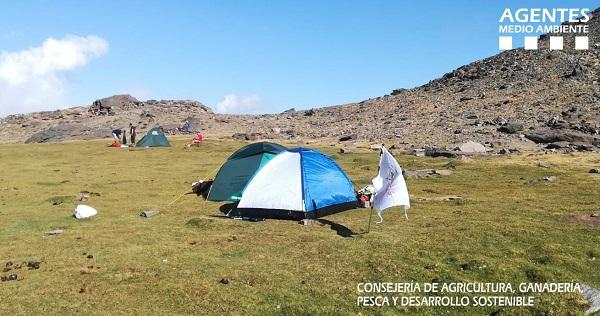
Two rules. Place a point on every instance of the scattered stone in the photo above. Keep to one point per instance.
(224, 281)
(543, 165)
(83, 197)
(90, 256)
(345, 151)
(307, 221)
(595, 170)
(592, 295)
(12, 277)
(55, 232)
(550, 178)
(420, 152)
(595, 215)
(443, 172)
(149, 213)
(33, 265)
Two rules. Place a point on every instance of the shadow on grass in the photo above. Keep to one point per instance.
(340, 229)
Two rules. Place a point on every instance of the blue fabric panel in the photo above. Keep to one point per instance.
(324, 182)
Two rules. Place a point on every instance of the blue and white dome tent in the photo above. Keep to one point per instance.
(297, 184)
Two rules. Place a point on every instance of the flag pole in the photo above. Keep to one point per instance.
(371, 209)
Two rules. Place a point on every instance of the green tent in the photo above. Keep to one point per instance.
(154, 138)
(239, 168)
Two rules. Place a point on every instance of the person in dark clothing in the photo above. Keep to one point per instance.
(124, 137)
(132, 133)
(117, 135)
(187, 127)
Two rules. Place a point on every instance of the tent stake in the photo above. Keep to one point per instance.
(370, 215)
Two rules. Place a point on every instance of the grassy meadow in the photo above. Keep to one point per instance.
(501, 230)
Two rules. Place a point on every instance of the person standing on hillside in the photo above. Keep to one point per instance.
(132, 133)
(186, 127)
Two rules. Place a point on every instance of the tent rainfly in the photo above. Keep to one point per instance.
(154, 138)
(297, 184)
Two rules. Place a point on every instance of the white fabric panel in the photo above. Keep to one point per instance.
(278, 185)
(390, 187)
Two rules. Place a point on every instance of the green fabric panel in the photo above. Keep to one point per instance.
(266, 157)
(256, 149)
(233, 177)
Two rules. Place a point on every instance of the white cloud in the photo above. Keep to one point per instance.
(240, 104)
(33, 79)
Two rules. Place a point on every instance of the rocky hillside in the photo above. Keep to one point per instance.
(516, 99)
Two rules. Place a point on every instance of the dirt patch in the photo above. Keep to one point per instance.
(588, 219)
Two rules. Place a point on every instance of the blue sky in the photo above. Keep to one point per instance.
(272, 55)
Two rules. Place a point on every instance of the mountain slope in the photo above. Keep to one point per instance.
(513, 99)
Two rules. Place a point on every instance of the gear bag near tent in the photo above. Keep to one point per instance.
(235, 173)
(154, 138)
(297, 184)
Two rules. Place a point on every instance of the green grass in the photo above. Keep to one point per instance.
(501, 231)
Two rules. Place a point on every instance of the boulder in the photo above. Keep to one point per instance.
(347, 138)
(376, 147)
(472, 147)
(553, 136)
(434, 152)
(245, 136)
(500, 121)
(511, 128)
(68, 131)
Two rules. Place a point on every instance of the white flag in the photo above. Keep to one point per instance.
(390, 188)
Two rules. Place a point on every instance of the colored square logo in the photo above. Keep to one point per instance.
(556, 42)
(531, 42)
(505, 42)
(582, 42)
